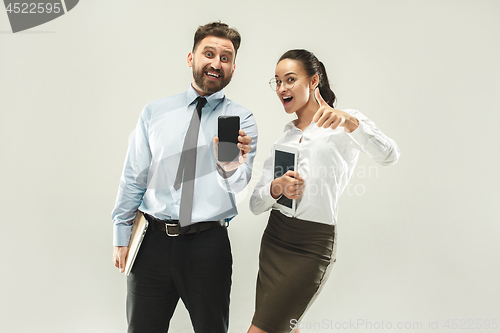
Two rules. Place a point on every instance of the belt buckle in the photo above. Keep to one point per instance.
(170, 225)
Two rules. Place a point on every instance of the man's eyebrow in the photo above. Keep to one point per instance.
(210, 47)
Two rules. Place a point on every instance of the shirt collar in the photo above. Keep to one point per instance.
(289, 126)
(292, 124)
(212, 100)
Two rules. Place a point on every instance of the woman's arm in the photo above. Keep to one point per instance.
(261, 199)
(368, 138)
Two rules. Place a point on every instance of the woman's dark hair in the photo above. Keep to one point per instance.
(313, 66)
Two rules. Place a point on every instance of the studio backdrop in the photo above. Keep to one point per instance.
(418, 242)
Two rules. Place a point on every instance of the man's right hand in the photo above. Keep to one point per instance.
(119, 256)
(291, 185)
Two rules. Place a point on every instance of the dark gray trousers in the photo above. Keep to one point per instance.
(196, 268)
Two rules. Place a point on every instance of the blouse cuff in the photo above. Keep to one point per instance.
(265, 193)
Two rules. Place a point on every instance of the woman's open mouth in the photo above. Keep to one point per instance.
(287, 100)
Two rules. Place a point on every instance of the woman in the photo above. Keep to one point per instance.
(297, 252)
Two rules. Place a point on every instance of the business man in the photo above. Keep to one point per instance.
(172, 174)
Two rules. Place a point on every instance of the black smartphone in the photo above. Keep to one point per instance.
(229, 130)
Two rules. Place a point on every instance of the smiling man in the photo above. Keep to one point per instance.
(172, 175)
(212, 73)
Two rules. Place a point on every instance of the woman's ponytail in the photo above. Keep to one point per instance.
(313, 66)
(324, 86)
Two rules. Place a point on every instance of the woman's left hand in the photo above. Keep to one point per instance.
(326, 116)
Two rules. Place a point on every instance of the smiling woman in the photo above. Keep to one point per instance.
(301, 68)
(298, 250)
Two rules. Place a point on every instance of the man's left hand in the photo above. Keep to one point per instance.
(243, 145)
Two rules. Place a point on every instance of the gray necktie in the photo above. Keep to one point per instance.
(187, 166)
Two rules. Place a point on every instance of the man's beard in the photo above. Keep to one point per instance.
(207, 85)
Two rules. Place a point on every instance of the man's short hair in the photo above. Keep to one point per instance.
(217, 29)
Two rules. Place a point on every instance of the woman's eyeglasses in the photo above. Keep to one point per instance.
(276, 84)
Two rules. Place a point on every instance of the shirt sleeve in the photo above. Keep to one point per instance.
(133, 182)
(241, 177)
(261, 199)
(369, 139)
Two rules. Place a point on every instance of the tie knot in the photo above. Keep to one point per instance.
(201, 102)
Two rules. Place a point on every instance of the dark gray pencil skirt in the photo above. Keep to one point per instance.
(295, 260)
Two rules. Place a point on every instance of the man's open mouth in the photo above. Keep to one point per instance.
(213, 76)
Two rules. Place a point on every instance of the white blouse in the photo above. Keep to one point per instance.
(326, 161)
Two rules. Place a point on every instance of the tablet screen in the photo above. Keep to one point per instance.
(283, 161)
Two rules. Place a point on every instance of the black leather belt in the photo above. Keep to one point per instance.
(171, 228)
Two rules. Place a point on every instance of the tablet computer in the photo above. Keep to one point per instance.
(285, 158)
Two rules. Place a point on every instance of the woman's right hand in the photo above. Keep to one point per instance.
(291, 185)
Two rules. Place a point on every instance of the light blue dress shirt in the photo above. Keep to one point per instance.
(153, 158)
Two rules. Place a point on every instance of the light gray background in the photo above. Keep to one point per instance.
(418, 241)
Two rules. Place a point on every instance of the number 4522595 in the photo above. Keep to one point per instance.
(33, 8)
(471, 324)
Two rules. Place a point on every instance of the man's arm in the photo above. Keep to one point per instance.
(119, 257)
(133, 184)
(237, 174)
